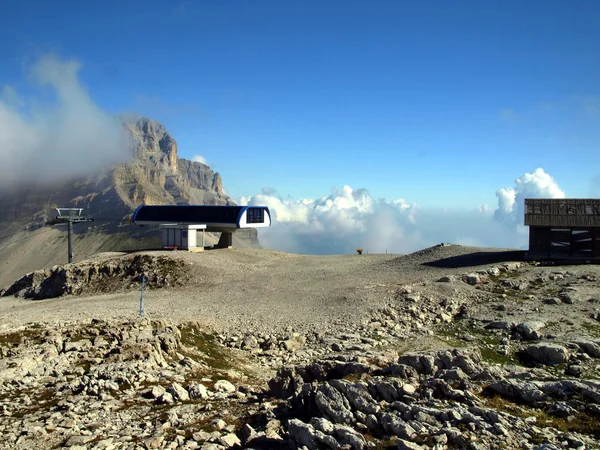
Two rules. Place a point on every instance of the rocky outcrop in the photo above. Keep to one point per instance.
(120, 385)
(151, 139)
(217, 183)
(93, 277)
(439, 406)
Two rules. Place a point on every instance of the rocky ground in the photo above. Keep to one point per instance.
(451, 355)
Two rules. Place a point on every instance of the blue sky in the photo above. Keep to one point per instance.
(438, 102)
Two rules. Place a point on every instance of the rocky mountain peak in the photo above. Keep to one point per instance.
(217, 184)
(152, 141)
(154, 175)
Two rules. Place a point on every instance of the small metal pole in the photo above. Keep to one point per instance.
(70, 240)
(142, 297)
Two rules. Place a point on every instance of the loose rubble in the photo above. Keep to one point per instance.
(424, 371)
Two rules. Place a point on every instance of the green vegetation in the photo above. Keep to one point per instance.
(221, 361)
(505, 276)
(14, 338)
(493, 357)
(205, 344)
(168, 267)
(485, 340)
(578, 423)
(593, 328)
(382, 444)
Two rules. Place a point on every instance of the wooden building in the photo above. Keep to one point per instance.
(566, 229)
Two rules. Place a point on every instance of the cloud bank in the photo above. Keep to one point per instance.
(69, 135)
(349, 218)
(199, 158)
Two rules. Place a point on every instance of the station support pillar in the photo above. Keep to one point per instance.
(226, 240)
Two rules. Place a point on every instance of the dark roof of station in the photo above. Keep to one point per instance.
(197, 214)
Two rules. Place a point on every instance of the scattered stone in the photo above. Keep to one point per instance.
(224, 386)
(178, 392)
(472, 279)
(197, 391)
(348, 388)
(446, 279)
(165, 398)
(229, 440)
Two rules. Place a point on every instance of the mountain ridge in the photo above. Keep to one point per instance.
(154, 174)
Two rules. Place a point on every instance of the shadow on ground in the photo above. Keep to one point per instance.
(478, 259)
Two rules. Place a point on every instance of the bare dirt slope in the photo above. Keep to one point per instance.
(265, 289)
(26, 251)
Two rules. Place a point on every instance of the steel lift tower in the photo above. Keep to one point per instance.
(69, 216)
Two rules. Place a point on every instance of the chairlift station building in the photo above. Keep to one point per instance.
(181, 224)
(563, 229)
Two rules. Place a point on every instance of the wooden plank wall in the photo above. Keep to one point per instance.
(571, 212)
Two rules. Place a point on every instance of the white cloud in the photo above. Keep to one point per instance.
(350, 218)
(199, 158)
(73, 136)
(511, 201)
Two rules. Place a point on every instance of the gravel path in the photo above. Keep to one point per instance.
(262, 290)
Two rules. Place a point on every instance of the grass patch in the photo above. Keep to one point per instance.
(206, 344)
(592, 328)
(223, 362)
(490, 355)
(504, 276)
(483, 339)
(457, 328)
(452, 341)
(449, 335)
(15, 338)
(382, 444)
(578, 423)
(552, 292)
(43, 401)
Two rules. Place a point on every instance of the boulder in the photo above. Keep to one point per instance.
(407, 445)
(249, 342)
(529, 330)
(589, 347)
(548, 354)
